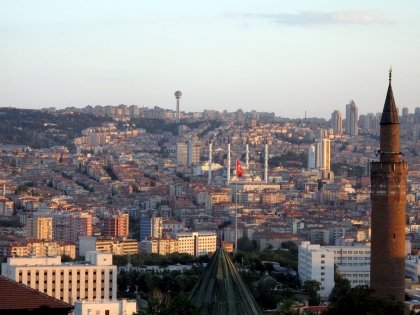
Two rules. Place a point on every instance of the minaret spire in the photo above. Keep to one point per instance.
(390, 114)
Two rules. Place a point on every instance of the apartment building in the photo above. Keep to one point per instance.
(6, 207)
(116, 225)
(162, 246)
(66, 227)
(107, 244)
(195, 243)
(39, 227)
(150, 227)
(316, 263)
(95, 278)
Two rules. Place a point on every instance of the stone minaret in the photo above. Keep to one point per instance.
(388, 195)
(228, 162)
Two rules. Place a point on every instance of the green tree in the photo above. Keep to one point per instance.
(13, 162)
(179, 305)
(341, 287)
(245, 245)
(360, 300)
(312, 286)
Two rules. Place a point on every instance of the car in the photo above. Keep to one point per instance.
(178, 264)
(143, 266)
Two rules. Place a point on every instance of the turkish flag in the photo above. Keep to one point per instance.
(238, 169)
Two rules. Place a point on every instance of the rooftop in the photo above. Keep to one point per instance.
(22, 297)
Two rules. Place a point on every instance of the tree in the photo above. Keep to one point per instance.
(13, 162)
(341, 287)
(179, 305)
(312, 286)
(245, 245)
(287, 307)
(360, 300)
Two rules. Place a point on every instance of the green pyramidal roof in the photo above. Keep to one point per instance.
(220, 289)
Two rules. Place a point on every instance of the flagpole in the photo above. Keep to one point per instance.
(236, 215)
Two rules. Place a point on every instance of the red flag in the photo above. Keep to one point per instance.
(238, 169)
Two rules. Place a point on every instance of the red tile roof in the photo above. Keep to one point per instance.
(21, 297)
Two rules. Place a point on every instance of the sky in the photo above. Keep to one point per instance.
(278, 56)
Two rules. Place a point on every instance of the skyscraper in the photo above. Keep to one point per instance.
(337, 121)
(351, 119)
(178, 95)
(322, 154)
(388, 195)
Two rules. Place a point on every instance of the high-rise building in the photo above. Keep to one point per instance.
(351, 119)
(181, 153)
(116, 225)
(68, 227)
(311, 157)
(337, 121)
(322, 154)
(150, 227)
(405, 111)
(193, 152)
(388, 196)
(40, 228)
(240, 116)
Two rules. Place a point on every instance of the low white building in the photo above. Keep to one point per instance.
(357, 275)
(317, 263)
(196, 243)
(105, 307)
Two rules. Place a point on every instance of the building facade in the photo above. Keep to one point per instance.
(96, 278)
(316, 263)
(337, 122)
(352, 117)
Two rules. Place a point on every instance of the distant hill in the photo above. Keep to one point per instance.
(41, 130)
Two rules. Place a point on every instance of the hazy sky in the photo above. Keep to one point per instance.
(276, 56)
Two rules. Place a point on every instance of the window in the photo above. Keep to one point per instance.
(323, 256)
(322, 279)
(322, 267)
(322, 273)
(350, 252)
(322, 261)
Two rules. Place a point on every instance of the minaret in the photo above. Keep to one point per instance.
(178, 95)
(228, 163)
(388, 196)
(247, 153)
(210, 154)
(266, 161)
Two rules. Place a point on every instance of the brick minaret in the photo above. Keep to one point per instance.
(388, 180)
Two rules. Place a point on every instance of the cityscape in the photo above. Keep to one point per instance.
(209, 158)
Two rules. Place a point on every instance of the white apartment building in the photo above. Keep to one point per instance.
(317, 263)
(95, 278)
(196, 243)
(357, 275)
